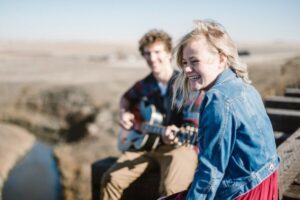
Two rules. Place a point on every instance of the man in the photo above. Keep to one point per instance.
(177, 163)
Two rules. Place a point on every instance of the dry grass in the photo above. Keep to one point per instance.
(271, 78)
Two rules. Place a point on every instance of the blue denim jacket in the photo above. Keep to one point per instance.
(236, 141)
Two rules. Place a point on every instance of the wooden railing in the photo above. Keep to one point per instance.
(284, 112)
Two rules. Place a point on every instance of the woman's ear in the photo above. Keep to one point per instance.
(222, 60)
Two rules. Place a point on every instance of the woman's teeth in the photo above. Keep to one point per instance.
(193, 78)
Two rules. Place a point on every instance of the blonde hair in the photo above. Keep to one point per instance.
(217, 39)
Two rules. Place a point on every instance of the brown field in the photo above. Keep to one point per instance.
(102, 72)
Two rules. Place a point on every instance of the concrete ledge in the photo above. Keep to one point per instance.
(284, 120)
(282, 102)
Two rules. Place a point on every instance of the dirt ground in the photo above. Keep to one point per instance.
(103, 72)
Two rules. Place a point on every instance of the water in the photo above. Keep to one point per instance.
(35, 177)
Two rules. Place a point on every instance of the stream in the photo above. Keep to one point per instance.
(35, 177)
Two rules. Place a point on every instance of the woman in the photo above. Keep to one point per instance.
(237, 158)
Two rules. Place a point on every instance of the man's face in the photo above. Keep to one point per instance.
(157, 57)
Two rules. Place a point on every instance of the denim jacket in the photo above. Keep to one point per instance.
(236, 141)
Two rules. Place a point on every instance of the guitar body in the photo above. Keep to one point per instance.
(134, 140)
(139, 139)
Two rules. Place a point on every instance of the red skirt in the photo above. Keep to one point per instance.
(266, 190)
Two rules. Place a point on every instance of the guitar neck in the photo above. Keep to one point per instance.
(186, 135)
(153, 129)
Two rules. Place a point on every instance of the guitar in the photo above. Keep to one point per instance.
(147, 136)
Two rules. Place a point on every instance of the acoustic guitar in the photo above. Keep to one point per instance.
(147, 136)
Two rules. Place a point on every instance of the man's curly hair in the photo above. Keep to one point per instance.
(153, 36)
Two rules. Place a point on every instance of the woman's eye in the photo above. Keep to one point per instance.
(195, 61)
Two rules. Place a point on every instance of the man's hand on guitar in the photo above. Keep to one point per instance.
(169, 136)
(126, 120)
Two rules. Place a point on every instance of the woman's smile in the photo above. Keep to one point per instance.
(194, 77)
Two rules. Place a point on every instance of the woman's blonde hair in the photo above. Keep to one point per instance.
(218, 39)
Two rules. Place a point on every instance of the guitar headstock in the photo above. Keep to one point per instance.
(187, 135)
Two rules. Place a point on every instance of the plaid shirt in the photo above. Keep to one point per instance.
(191, 109)
(148, 87)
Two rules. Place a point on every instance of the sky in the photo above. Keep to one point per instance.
(128, 20)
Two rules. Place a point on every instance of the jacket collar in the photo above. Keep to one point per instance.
(225, 76)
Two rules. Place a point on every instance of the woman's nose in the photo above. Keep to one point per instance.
(187, 69)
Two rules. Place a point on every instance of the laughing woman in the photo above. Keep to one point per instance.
(237, 158)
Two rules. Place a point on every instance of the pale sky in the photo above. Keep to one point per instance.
(128, 20)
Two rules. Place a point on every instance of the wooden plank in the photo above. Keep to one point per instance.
(292, 92)
(284, 120)
(297, 179)
(292, 193)
(282, 102)
(289, 167)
